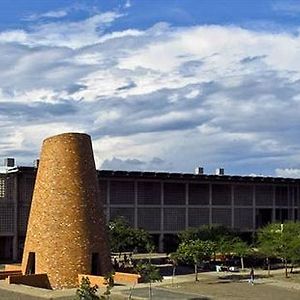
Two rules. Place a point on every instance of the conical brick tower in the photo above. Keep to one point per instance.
(66, 233)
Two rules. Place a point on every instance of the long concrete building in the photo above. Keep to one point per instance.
(162, 203)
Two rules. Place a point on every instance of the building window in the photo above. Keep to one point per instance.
(174, 194)
(149, 193)
(221, 194)
(122, 192)
(2, 187)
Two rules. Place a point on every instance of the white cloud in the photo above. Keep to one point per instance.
(209, 95)
(55, 14)
(192, 94)
(64, 33)
(288, 173)
(127, 4)
(13, 36)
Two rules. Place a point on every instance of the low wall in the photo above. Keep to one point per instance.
(94, 279)
(13, 267)
(127, 278)
(35, 280)
(119, 277)
(5, 274)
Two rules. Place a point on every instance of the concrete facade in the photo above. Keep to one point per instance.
(163, 203)
(66, 233)
(166, 203)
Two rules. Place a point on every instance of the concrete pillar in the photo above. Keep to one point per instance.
(274, 204)
(232, 206)
(15, 200)
(161, 235)
(108, 202)
(210, 204)
(254, 207)
(135, 204)
(186, 206)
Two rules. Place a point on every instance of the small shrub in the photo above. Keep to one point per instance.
(86, 291)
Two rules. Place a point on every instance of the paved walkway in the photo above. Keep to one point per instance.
(209, 282)
(20, 292)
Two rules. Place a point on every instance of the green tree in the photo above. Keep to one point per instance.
(224, 246)
(173, 258)
(281, 240)
(149, 273)
(194, 252)
(125, 238)
(241, 249)
(266, 245)
(205, 233)
(109, 283)
(86, 291)
(290, 239)
(216, 234)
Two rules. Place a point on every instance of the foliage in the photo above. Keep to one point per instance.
(241, 249)
(205, 233)
(149, 272)
(281, 240)
(194, 252)
(125, 238)
(173, 259)
(86, 291)
(109, 279)
(222, 240)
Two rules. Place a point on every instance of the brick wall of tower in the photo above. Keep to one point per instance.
(66, 224)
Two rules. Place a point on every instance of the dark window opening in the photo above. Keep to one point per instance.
(282, 215)
(31, 263)
(263, 217)
(95, 264)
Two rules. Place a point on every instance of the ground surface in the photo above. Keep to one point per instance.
(226, 286)
(211, 286)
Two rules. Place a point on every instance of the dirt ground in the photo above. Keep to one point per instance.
(236, 286)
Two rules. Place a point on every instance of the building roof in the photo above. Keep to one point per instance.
(191, 176)
(177, 176)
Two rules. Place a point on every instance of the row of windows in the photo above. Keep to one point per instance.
(175, 218)
(7, 188)
(2, 187)
(26, 190)
(7, 217)
(149, 193)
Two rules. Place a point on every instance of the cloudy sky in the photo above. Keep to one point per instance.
(158, 84)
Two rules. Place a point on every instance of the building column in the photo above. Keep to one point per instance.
(186, 206)
(15, 200)
(298, 203)
(254, 207)
(232, 206)
(274, 205)
(161, 235)
(108, 201)
(210, 204)
(135, 204)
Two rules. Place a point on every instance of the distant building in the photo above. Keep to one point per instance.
(162, 203)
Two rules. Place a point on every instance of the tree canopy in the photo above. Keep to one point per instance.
(194, 252)
(125, 238)
(205, 233)
(281, 240)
